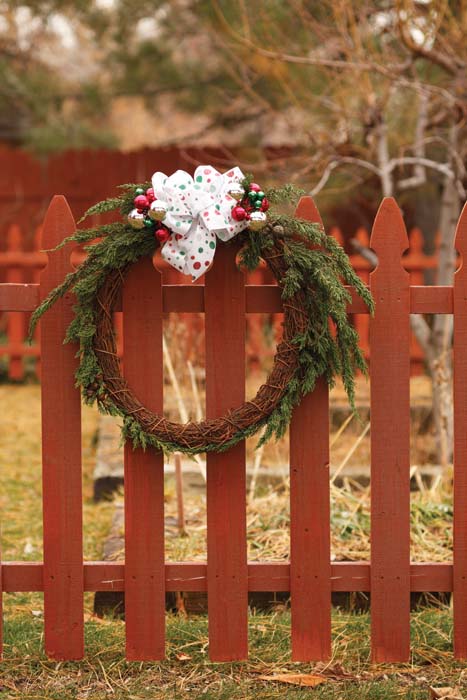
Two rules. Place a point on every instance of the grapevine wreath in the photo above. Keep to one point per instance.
(184, 216)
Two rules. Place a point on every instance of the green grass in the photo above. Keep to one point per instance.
(26, 673)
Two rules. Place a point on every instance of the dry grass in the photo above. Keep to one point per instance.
(187, 673)
(268, 506)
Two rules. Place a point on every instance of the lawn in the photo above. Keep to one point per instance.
(187, 672)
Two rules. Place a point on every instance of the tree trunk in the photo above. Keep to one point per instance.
(440, 355)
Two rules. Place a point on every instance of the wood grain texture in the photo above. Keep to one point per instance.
(460, 442)
(192, 576)
(61, 454)
(390, 440)
(259, 299)
(310, 548)
(226, 487)
(144, 471)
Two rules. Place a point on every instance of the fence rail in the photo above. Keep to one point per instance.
(227, 576)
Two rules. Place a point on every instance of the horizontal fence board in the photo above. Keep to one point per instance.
(184, 298)
(23, 577)
(18, 296)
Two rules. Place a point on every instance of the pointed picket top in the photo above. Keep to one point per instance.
(460, 242)
(389, 238)
(58, 224)
(307, 209)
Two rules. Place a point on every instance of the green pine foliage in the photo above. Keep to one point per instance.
(316, 264)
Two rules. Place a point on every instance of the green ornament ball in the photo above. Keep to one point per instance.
(252, 196)
(149, 223)
(258, 204)
(139, 190)
(260, 195)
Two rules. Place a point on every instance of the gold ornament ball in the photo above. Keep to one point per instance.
(158, 210)
(257, 221)
(237, 192)
(136, 219)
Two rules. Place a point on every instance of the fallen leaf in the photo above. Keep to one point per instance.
(334, 671)
(446, 693)
(307, 679)
(92, 617)
(183, 657)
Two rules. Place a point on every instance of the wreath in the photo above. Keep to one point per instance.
(187, 217)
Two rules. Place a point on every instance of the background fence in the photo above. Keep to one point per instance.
(21, 261)
(309, 575)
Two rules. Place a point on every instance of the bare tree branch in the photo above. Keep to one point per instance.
(335, 164)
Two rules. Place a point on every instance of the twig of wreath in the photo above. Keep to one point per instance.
(309, 266)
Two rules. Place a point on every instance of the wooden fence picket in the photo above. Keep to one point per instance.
(390, 439)
(61, 454)
(144, 470)
(226, 479)
(460, 442)
(310, 548)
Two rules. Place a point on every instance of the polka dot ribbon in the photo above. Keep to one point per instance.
(198, 211)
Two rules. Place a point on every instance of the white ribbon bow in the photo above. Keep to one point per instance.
(199, 208)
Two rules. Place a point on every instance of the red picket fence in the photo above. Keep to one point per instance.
(310, 576)
(22, 260)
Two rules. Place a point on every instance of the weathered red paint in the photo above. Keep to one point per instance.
(61, 455)
(226, 488)
(144, 470)
(390, 439)
(310, 547)
(460, 442)
(226, 576)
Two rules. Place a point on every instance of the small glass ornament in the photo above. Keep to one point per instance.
(158, 210)
(257, 220)
(237, 192)
(136, 219)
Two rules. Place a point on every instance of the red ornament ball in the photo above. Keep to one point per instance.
(162, 235)
(150, 195)
(141, 202)
(238, 213)
(254, 187)
(264, 204)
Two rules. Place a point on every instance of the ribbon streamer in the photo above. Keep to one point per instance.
(199, 210)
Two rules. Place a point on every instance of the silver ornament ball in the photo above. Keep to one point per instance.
(158, 210)
(136, 219)
(237, 192)
(257, 221)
